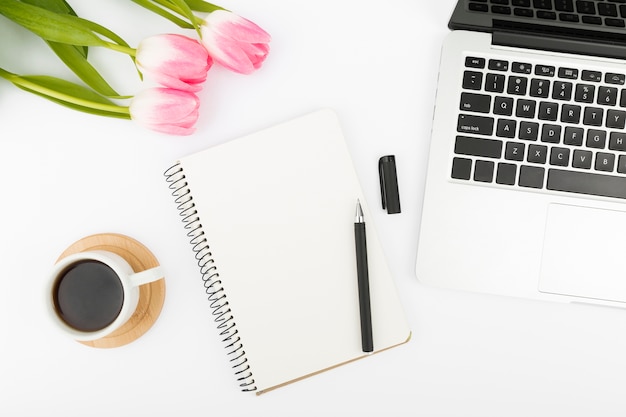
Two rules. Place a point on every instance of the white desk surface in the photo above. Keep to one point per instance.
(67, 175)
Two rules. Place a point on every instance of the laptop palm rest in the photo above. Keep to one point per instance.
(584, 253)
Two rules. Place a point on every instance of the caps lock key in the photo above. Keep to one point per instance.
(477, 125)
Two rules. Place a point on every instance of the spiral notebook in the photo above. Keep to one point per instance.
(270, 218)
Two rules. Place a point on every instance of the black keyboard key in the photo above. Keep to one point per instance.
(616, 119)
(531, 177)
(607, 9)
(478, 7)
(548, 111)
(494, 83)
(474, 62)
(546, 15)
(570, 113)
(585, 7)
(593, 116)
(573, 136)
(539, 88)
(569, 73)
(506, 174)
(480, 103)
(585, 93)
(517, 86)
(525, 108)
(595, 76)
(605, 162)
(559, 157)
(523, 12)
(607, 96)
(537, 154)
(545, 70)
(618, 23)
(503, 106)
(564, 5)
(483, 171)
(472, 80)
(498, 65)
(622, 99)
(477, 125)
(520, 3)
(596, 139)
(506, 128)
(543, 4)
(528, 131)
(500, 10)
(569, 17)
(485, 148)
(562, 90)
(461, 168)
(582, 159)
(614, 78)
(514, 151)
(551, 133)
(621, 164)
(521, 68)
(592, 20)
(617, 141)
(586, 183)
(502, 2)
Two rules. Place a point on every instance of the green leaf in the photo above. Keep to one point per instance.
(147, 4)
(61, 7)
(184, 10)
(56, 6)
(74, 56)
(49, 25)
(82, 68)
(202, 6)
(103, 31)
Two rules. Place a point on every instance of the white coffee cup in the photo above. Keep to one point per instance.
(86, 302)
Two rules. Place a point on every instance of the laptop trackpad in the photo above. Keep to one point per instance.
(584, 253)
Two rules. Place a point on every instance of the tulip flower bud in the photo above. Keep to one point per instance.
(166, 110)
(234, 42)
(174, 61)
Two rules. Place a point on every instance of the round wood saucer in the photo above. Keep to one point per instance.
(151, 295)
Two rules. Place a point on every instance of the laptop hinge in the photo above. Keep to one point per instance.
(548, 39)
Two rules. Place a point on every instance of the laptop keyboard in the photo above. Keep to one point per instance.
(541, 126)
(591, 12)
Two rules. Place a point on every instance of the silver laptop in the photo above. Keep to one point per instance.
(526, 183)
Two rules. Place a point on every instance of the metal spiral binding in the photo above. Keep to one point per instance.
(210, 276)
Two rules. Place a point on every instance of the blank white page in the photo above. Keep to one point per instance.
(278, 209)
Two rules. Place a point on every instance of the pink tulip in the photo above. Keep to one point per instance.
(166, 110)
(234, 42)
(174, 61)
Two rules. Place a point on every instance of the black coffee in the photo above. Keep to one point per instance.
(88, 296)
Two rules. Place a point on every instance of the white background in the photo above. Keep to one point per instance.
(66, 175)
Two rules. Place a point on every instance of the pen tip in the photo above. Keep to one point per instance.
(359, 211)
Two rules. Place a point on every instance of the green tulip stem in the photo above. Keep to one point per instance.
(21, 82)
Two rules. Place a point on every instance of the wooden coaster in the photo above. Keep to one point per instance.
(151, 295)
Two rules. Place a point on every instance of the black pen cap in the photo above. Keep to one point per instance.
(389, 184)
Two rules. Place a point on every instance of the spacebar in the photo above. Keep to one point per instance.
(587, 183)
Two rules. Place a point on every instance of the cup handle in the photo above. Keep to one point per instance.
(147, 276)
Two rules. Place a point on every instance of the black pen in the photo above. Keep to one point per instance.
(367, 341)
